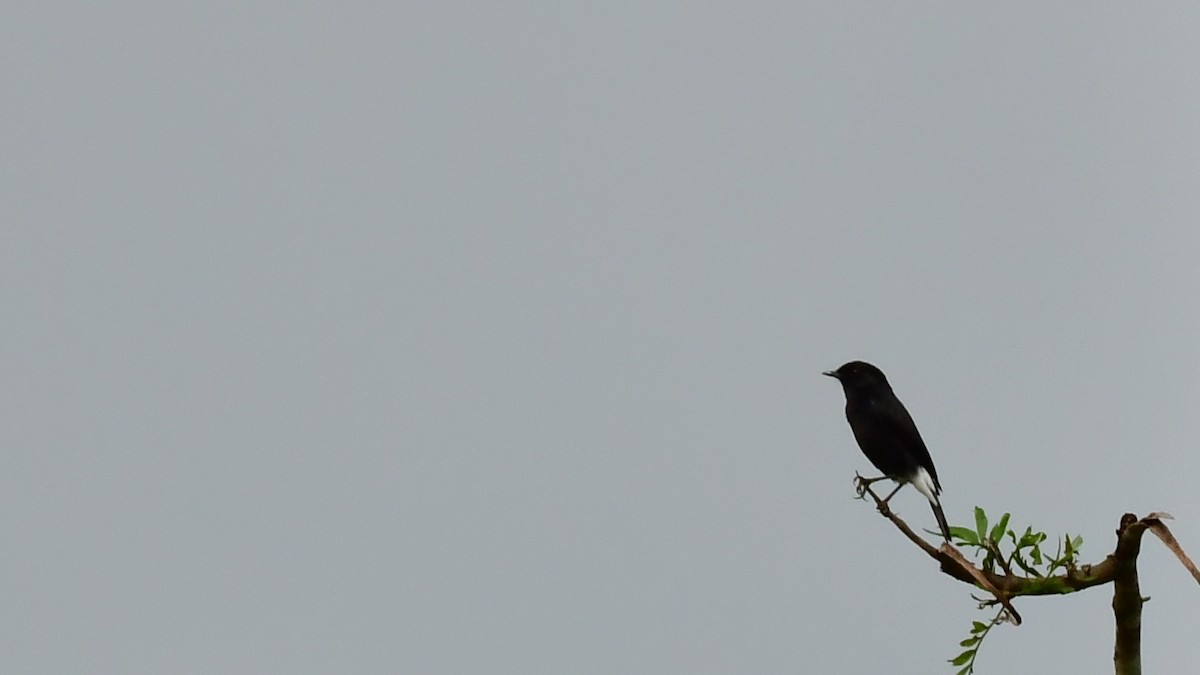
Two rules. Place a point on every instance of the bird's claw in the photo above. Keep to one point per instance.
(860, 486)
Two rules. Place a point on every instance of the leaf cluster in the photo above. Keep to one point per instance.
(1003, 548)
(979, 631)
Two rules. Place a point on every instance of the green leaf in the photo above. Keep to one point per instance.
(978, 627)
(967, 536)
(1076, 543)
(1036, 554)
(1028, 539)
(1001, 527)
(980, 523)
(1024, 564)
(962, 658)
(970, 642)
(969, 669)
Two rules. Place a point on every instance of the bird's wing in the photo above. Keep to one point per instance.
(903, 430)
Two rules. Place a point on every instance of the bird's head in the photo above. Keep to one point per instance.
(859, 375)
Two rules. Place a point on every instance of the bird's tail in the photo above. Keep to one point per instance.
(941, 517)
(927, 485)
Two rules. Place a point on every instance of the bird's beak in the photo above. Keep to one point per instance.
(832, 373)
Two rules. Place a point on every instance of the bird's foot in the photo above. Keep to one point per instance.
(862, 484)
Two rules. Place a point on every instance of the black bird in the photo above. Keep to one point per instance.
(887, 434)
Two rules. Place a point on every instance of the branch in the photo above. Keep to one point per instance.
(1011, 585)
(1127, 597)
(1119, 567)
(953, 563)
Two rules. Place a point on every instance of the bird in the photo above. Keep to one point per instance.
(887, 435)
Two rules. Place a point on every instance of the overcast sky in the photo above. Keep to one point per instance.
(487, 337)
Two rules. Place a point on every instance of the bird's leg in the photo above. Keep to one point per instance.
(861, 484)
(883, 505)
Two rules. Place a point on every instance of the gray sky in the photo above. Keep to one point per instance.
(464, 338)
